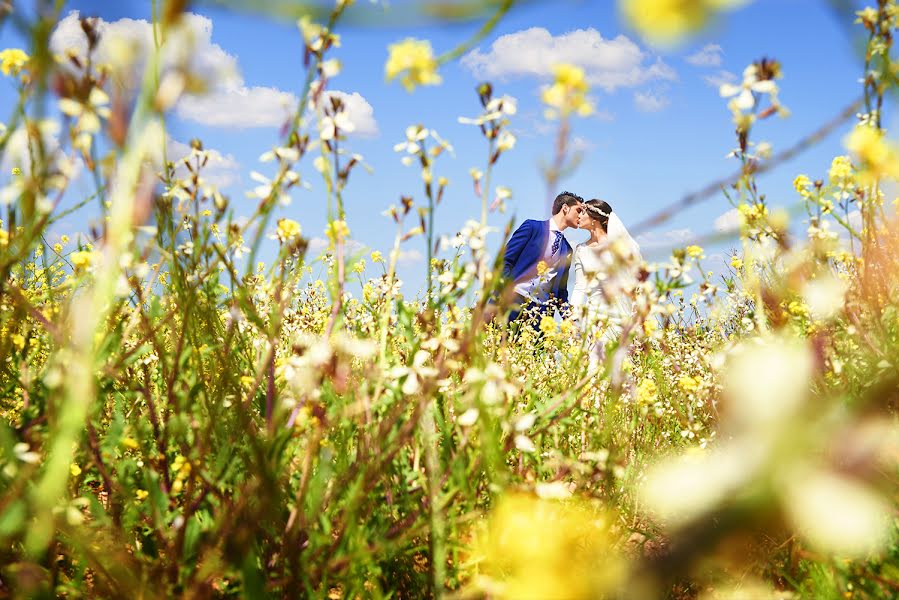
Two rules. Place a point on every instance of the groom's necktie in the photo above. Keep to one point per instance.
(556, 243)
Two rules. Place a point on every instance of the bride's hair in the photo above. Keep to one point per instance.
(599, 210)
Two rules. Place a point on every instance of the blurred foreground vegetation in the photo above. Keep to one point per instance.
(179, 420)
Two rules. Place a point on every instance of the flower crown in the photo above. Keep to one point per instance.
(596, 211)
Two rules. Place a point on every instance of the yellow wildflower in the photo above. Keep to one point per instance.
(80, 259)
(567, 327)
(797, 308)
(141, 495)
(649, 326)
(547, 325)
(878, 158)
(527, 546)
(695, 251)
(64, 240)
(359, 267)
(646, 391)
(130, 443)
(4, 237)
(16, 171)
(801, 184)
(74, 469)
(688, 384)
(413, 61)
(18, 340)
(337, 230)
(12, 60)
(568, 93)
(541, 268)
(668, 21)
(736, 262)
(840, 170)
(377, 257)
(288, 230)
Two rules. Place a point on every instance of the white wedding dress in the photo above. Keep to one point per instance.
(600, 301)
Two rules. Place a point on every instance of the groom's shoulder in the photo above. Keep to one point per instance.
(531, 223)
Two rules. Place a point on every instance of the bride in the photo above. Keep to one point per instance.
(603, 276)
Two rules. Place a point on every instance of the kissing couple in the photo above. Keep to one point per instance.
(538, 258)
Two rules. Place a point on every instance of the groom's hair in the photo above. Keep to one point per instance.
(599, 210)
(565, 199)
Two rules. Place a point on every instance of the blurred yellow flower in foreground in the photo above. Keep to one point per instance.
(413, 62)
(288, 229)
(12, 60)
(80, 259)
(668, 21)
(878, 157)
(16, 171)
(568, 93)
(538, 548)
(769, 457)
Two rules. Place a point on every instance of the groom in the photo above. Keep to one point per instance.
(536, 242)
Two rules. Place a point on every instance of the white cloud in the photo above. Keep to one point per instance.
(719, 78)
(581, 145)
(609, 63)
(709, 56)
(650, 101)
(125, 45)
(729, 222)
(239, 107)
(359, 111)
(410, 257)
(665, 239)
(227, 102)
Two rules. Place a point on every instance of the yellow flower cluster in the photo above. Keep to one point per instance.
(288, 230)
(695, 251)
(841, 171)
(877, 157)
(80, 259)
(668, 21)
(646, 392)
(12, 60)
(547, 548)
(547, 325)
(802, 184)
(337, 230)
(568, 93)
(688, 383)
(413, 62)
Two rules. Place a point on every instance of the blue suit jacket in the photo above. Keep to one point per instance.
(525, 250)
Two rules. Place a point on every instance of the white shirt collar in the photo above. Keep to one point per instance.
(553, 226)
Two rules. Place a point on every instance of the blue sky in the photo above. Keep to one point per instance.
(661, 129)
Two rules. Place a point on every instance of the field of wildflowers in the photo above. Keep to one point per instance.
(179, 419)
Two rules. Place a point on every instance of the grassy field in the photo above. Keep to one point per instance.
(178, 420)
